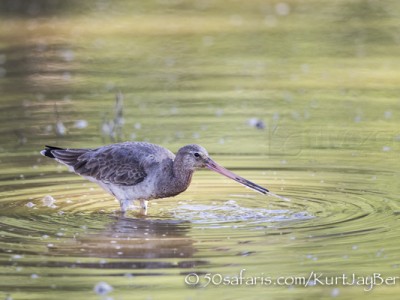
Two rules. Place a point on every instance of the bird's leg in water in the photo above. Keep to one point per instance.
(125, 205)
(143, 207)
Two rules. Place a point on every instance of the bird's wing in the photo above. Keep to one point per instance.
(122, 164)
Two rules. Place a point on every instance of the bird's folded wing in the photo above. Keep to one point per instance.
(116, 165)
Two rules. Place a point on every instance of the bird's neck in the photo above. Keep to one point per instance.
(182, 175)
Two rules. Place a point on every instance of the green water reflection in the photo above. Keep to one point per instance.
(299, 96)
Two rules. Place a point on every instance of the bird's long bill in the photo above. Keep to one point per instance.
(212, 165)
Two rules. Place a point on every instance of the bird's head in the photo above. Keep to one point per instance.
(195, 157)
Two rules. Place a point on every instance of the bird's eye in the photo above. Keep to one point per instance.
(196, 154)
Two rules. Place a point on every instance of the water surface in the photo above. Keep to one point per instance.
(299, 97)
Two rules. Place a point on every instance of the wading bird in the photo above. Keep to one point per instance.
(141, 171)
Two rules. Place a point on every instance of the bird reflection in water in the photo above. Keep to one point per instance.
(128, 238)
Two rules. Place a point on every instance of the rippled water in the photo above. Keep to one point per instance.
(310, 112)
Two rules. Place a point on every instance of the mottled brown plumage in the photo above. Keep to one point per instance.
(140, 171)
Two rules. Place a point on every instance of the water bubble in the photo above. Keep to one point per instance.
(102, 288)
(67, 55)
(388, 114)
(335, 292)
(49, 201)
(81, 124)
(30, 204)
(61, 130)
(174, 110)
(312, 283)
(246, 253)
(282, 9)
(256, 123)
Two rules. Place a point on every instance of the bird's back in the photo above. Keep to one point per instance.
(123, 164)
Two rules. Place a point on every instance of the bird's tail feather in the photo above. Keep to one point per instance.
(48, 149)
